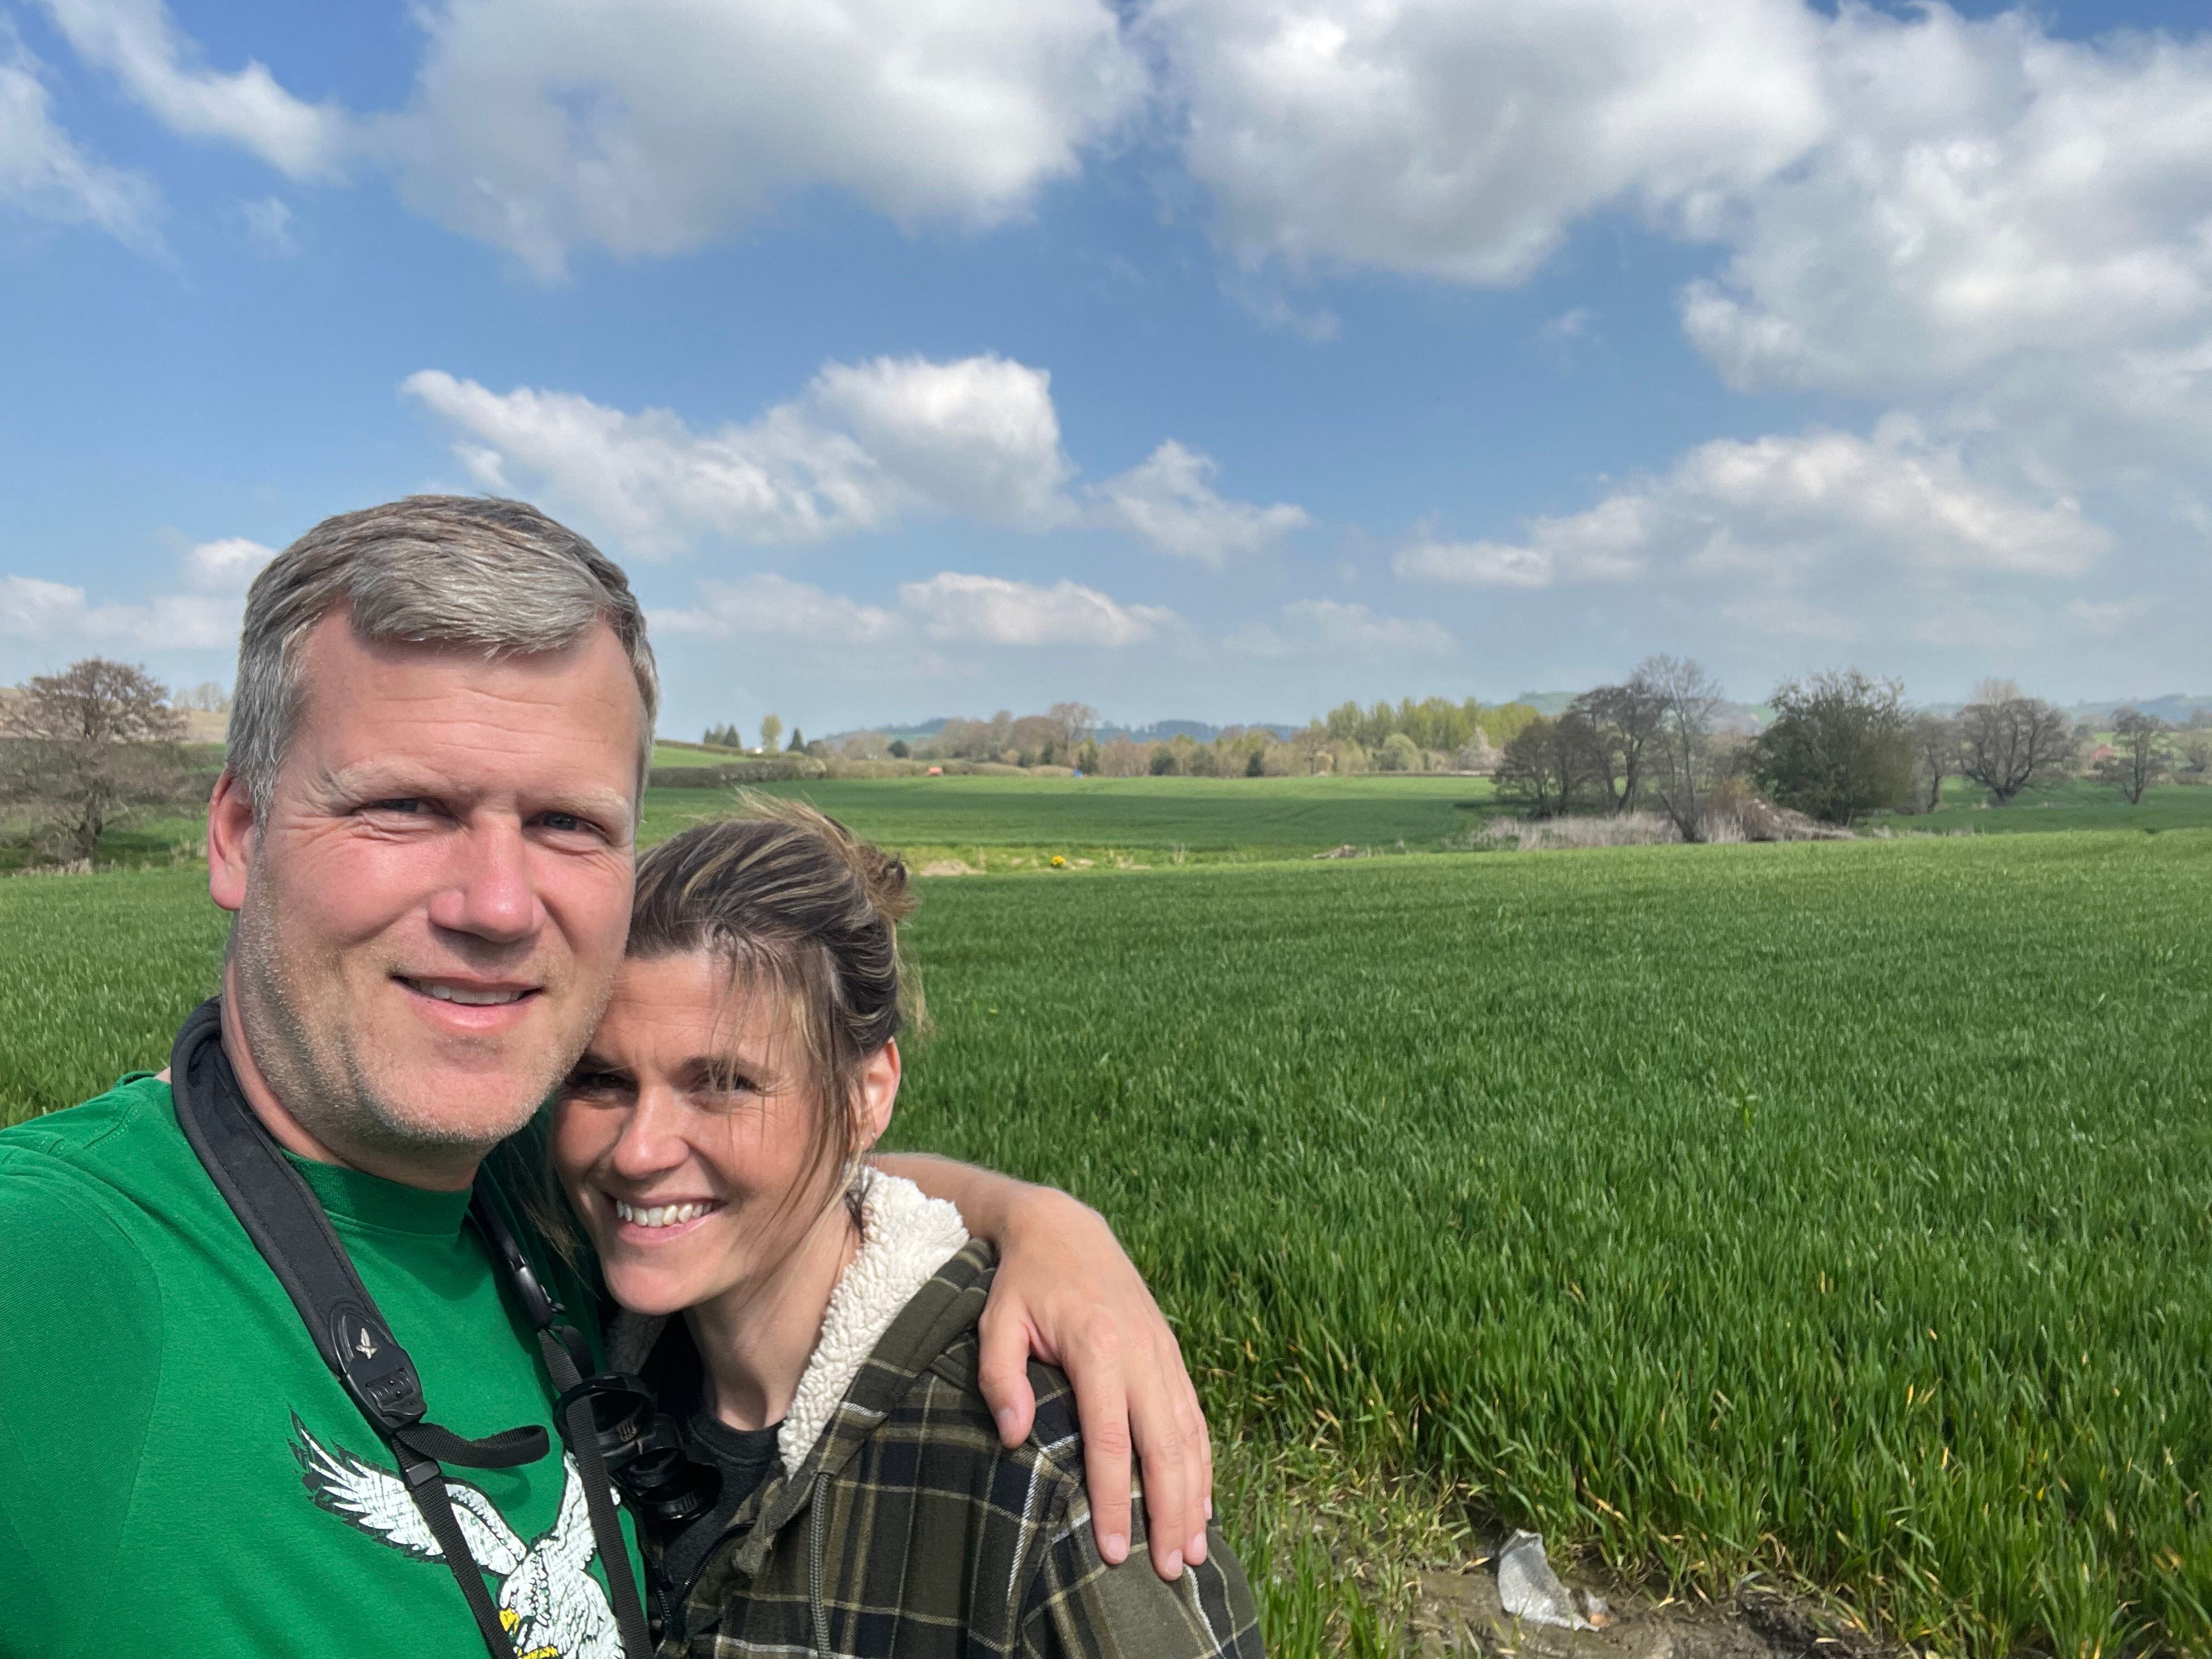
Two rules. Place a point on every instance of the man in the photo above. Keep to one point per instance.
(424, 829)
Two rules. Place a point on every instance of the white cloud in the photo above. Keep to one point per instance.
(1476, 564)
(1861, 520)
(777, 608)
(865, 446)
(1606, 543)
(2109, 619)
(1968, 217)
(139, 43)
(650, 479)
(660, 126)
(44, 612)
(227, 566)
(269, 227)
(1577, 324)
(1989, 194)
(992, 611)
(1461, 139)
(32, 608)
(950, 607)
(1319, 628)
(1169, 500)
(45, 174)
(978, 437)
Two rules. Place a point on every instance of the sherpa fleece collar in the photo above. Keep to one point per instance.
(905, 1237)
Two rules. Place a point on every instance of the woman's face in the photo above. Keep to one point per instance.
(685, 1134)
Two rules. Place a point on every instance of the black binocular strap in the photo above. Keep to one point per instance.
(287, 1224)
(567, 1358)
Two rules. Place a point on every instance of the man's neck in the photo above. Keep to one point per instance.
(449, 1170)
(754, 1338)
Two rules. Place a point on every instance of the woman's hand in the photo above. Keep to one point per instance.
(1067, 1292)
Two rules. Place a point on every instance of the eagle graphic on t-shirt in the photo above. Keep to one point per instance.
(551, 1606)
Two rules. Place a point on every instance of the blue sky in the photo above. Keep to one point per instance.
(1213, 358)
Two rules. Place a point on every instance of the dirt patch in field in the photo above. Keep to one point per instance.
(948, 867)
(1458, 1614)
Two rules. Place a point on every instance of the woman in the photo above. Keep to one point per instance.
(824, 1360)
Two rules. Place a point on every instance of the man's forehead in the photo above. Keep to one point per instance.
(579, 683)
(573, 715)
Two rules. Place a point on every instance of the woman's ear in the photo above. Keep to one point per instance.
(879, 1083)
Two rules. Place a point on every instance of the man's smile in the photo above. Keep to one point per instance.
(472, 1006)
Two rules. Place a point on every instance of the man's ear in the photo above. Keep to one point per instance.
(230, 833)
(879, 1083)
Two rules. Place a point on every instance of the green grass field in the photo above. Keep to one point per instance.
(2074, 805)
(1005, 823)
(1838, 1210)
(1150, 820)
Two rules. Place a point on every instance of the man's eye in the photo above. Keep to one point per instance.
(410, 804)
(567, 823)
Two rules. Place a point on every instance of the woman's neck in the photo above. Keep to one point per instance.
(754, 1338)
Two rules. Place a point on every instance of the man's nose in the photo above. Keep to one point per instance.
(652, 1140)
(490, 893)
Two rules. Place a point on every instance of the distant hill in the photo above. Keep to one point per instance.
(1158, 731)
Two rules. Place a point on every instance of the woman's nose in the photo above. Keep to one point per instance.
(652, 1140)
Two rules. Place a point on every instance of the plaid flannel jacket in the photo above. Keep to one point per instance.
(911, 1532)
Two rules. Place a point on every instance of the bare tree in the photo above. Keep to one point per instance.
(2194, 742)
(1073, 725)
(1549, 767)
(2009, 742)
(1934, 754)
(1688, 699)
(2139, 755)
(86, 747)
(208, 698)
(1624, 724)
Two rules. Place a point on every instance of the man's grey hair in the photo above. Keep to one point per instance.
(475, 573)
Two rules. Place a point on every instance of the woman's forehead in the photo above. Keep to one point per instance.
(703, 998)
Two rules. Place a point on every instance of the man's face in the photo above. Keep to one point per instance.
(432, 909)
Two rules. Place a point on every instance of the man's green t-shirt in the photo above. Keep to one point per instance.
(179, 1473)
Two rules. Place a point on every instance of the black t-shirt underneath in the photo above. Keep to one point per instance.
(745, 1457)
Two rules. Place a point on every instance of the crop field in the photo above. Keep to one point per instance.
(2076, 804)
(1840, 1212)
(998, 823)
(993, 820)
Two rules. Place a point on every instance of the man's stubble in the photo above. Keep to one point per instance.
(313, 1066)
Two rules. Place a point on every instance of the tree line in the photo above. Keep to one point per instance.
(1839, 745)
(1433, 734)
(84, 751)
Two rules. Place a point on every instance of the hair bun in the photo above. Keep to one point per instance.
(882, 876)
